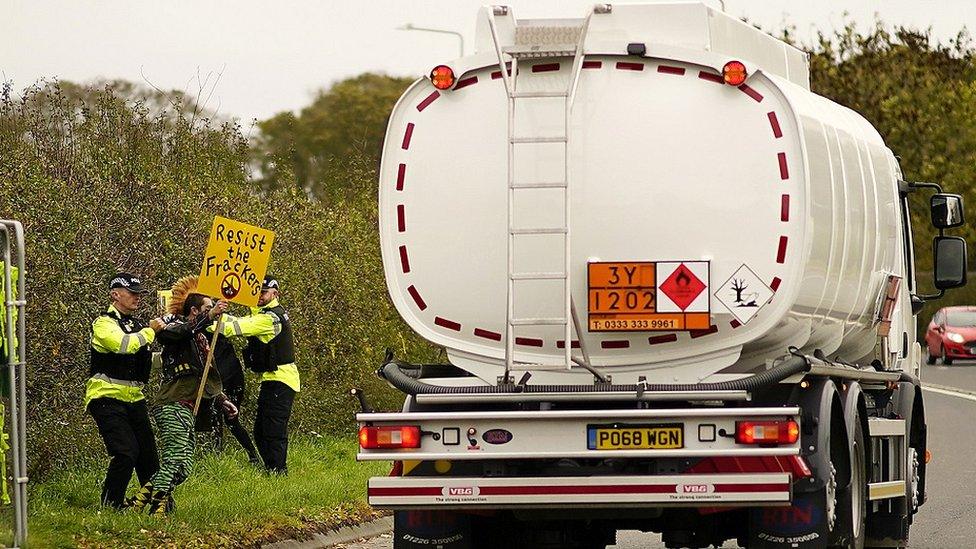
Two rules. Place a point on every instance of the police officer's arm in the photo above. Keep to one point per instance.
(174, 332)
(107, 335)
(264, 325)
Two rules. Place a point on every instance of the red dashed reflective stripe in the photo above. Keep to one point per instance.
(592, 64)
(430, 99)
(774, 123)
(404, 260)
(561, 344)
(545, 67)
(401, 173)
(407, 135)
(465, 82)
(784, 172)
(615, 344)
(401, 219)
(528, 341)
(416, 297)
(775, 283)
(666, 338)
(711, 77)
(735, 324)
(784, 208)
(781, 251)
(751, 93)
(702, 333)
(488, 334)
(449, 324)
(625, 66)
(666, 69)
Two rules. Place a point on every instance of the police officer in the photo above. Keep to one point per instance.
(119, 368)
(270, 351)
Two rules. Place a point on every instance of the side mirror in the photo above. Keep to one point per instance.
(946, 211)
(950, 262)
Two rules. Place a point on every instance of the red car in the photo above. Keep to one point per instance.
(952, 334)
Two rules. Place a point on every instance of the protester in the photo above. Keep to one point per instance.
(185, 350)
(119, 368)
(271, 351)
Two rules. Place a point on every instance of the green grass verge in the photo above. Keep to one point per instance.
(224, 503)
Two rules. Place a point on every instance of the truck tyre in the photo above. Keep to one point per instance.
(852, 502)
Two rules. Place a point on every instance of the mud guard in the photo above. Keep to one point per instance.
(428, 529)
(804, 523)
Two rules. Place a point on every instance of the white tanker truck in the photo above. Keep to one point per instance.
(676, 291)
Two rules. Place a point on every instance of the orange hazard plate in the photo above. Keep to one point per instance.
(622, 298)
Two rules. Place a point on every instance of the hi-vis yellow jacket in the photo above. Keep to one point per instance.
(264, 325)
(120, 357)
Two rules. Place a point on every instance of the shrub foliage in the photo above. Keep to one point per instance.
(103, 182)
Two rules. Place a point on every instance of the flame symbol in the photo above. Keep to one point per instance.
(682, 279)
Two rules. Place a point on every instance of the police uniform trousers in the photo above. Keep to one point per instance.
(128, 436)
(271, 424)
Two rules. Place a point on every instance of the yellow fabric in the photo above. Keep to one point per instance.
(264, 327)
(107, 337)
(99, 388)
(287, 374)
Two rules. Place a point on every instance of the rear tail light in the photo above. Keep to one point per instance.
(394, 436)
(767, 432)
(734, 73)
(442, 77)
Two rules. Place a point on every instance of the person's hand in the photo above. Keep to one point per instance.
(218, 309)
(157, 324)
(230, 411)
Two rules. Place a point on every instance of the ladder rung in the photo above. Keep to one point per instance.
(537, 321)
(553, 275)
(538, 185)
(552, 139)
(538, 94)
(541, 230)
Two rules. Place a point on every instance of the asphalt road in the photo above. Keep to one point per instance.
(948, 519)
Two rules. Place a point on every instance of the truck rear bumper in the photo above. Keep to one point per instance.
(601, 491)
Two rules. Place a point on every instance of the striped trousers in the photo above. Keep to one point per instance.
(174, 423)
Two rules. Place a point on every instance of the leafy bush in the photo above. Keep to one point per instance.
(104, 182)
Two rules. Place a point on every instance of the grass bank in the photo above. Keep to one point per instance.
(225, 503)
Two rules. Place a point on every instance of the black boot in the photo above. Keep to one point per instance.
(141, 498)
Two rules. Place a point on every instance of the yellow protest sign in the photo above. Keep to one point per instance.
(235, 261)
(164, 298)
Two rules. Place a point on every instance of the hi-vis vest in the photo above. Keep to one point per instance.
(124, 366)
(266, 357)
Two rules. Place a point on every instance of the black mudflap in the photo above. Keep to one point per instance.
(802, 525)
(431, 530)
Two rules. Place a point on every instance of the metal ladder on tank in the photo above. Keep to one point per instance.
(544, 43)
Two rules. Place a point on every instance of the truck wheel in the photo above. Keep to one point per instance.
(852, 502)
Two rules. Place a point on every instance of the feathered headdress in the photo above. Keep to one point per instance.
(182, 290)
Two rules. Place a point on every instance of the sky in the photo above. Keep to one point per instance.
(253, 59)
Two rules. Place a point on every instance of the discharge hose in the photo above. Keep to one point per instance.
(795, 364)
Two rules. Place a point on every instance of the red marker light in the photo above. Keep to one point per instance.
(396, 436)
(767, 432)
(734, 73)
(442, 77)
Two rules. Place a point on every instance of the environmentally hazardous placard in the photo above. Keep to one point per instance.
(744, 294)
(648, 296)
(235, 261)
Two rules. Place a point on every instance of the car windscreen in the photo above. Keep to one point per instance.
(961, 318)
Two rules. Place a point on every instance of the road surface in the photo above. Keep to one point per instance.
(948, 519)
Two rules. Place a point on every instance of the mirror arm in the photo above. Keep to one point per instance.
(908, 186)
(929, 297)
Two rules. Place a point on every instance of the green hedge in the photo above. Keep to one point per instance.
(104, 182)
